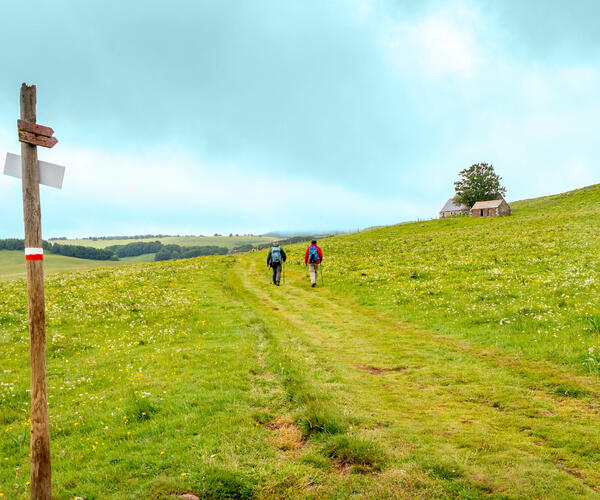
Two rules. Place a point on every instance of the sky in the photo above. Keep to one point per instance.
(249, 116)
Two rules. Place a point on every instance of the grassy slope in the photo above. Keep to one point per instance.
(220, 241)
(529, 283)
(200, 376)
(12, 263)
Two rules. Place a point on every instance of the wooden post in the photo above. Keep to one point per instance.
(40, 432)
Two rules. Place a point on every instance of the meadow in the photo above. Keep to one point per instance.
(529, 283)
(444, 359)
(12, 263)
(229, 242)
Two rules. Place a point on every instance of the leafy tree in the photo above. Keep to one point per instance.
(242, 248)
(12, 244)
(479, 182)
(136, 248)
(169, 252)
(164, 254)
(82, 252)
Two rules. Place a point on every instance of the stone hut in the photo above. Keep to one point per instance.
(452, 208)
(491, 208)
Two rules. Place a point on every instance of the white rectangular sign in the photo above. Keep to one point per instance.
(50, 174)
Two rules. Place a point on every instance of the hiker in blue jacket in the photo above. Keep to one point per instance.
(275, 260)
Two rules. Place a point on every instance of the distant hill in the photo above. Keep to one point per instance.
(528, 282)
(292, 234)
(453, 358)
(229, 242)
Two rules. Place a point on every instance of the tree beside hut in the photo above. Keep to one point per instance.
(479, 182)
(478, 193)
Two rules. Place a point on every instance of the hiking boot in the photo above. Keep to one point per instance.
(314, 285)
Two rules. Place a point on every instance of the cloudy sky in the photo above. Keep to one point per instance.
(244, 116)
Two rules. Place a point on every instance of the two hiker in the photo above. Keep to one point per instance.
(312, 258)
(275, 260)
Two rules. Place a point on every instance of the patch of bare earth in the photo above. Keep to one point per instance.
(373, 370)
(576, 474)
(287, 435)
(342, 468)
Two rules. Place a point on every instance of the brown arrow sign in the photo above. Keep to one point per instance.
(38, 135)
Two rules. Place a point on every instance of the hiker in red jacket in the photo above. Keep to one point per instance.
(313, 257)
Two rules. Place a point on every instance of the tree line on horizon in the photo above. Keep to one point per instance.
(78, 251)
(148, 236)
(116, 252)
(162, 252)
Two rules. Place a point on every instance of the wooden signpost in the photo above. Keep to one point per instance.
(35, 134)
(32, 135)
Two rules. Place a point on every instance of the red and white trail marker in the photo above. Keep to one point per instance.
(34, 254)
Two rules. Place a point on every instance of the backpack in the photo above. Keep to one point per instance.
(313, 254)
(276, 254)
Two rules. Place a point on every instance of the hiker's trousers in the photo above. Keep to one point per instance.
(313, 269)
(276, 272)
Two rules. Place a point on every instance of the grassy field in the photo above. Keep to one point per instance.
(529, 283)
(186, 241)
(445, 359)
(12, 263)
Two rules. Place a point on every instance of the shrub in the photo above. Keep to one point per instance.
(222, 483)
(82, 252)
(362, 454)
(594, 323)
(316, 418)
(141, 409)
(136, 248)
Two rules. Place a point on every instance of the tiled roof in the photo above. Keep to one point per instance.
(452, 206)
(488, 204)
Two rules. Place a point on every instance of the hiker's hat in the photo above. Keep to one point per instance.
(313, 242)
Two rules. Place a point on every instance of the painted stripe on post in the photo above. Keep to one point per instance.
(34, 254)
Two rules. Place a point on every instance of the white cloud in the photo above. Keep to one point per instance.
(161, 179)
(444, 43)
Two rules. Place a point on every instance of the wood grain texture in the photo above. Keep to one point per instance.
(37, 140)
(40, 471)
(35, 128)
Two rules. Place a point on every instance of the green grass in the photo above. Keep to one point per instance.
(361, 454)
(220, 241)
(426, 367)
(529, 283)
(12, 263)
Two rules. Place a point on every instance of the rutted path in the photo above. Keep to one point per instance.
(441, 406)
